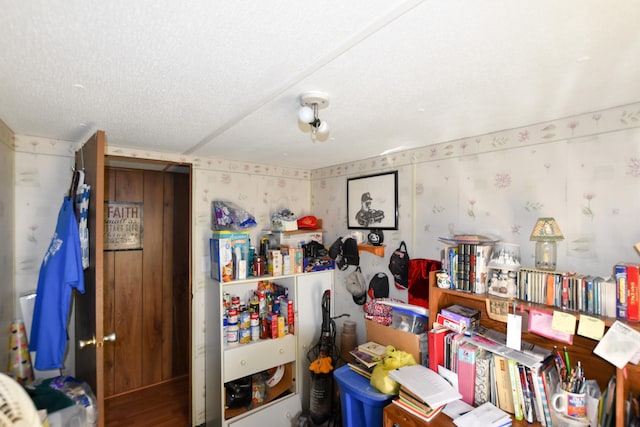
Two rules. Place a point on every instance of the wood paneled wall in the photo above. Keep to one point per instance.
(147, 291)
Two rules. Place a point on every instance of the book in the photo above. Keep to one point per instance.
(451, 324)
(620, 274)
(424, 416)
(541, 398)
(633, 291)
(365, 358)
(536, 403)
(414, 400)
(424, 383)
(550, 381)
(483, 377)
(504, 393)
(467, 356)
(361, 369)
(461, 314)
(374, 349)
(516, 390)
(482, 256)
(486, 415)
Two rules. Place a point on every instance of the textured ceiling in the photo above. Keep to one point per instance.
(222, 79)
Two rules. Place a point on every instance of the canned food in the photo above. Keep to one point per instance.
(232, 316)
(254, 319)
(232, 334)
(244, 320)
(255, 332)
(235, 302)
(245, 336)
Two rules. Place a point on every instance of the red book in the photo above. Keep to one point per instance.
(435, 341)
(633, 292)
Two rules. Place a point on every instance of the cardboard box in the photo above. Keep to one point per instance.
(284, 225)
(414, 344)
(274, 264)
(221, 260)
(295, 258)
(297, 238)
(222, 245)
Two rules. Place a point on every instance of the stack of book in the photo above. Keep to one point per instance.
(423, 392)
(366, 357)
(415, 405)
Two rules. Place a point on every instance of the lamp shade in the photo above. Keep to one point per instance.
(546, 229)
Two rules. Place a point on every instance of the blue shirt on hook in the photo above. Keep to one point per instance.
(60, 272)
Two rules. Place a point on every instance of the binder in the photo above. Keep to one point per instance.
(467, 356)
(435, 343)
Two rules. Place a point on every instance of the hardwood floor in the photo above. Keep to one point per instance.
(162, 405)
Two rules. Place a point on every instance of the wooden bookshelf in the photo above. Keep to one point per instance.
(581, 350)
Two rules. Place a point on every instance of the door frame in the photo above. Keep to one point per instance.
(89, 317)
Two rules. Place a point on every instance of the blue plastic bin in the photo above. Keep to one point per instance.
(361, 403)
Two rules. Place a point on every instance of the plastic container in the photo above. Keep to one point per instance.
(362, 404)
(409, 321)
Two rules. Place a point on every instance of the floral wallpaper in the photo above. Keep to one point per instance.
(7, 289)
(582, 170)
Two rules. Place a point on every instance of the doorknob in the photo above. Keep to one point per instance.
(83, 343)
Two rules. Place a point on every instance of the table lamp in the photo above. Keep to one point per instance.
(546, 233)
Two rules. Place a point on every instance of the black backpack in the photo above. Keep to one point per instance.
(399, 266)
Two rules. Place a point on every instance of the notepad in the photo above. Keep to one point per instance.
(426, 384)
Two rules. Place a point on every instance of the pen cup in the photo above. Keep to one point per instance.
(570, 404)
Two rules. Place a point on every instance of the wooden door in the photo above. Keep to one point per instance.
(88, 306)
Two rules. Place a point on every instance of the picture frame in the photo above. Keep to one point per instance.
(372, 201)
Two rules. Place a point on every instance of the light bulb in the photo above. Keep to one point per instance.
(305, 114)
(323, 129)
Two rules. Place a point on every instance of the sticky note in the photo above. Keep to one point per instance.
(563, 322)
(590, 327)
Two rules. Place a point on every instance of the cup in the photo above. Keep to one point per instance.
(570, 404)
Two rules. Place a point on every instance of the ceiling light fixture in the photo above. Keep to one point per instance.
(308, 113)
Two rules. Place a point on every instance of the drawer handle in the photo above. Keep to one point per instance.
(288, 415)
(281, 350)
(243, 362)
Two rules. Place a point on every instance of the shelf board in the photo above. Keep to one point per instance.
(376, 250)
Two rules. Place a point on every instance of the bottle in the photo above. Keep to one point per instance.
(348, 340)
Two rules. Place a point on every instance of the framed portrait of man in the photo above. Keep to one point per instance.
(372, 201)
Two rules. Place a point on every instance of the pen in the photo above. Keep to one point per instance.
(566, 356)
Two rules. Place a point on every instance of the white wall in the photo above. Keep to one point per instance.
(42, 177)
(582, 170)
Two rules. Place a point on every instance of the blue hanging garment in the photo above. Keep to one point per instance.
(60, 272)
